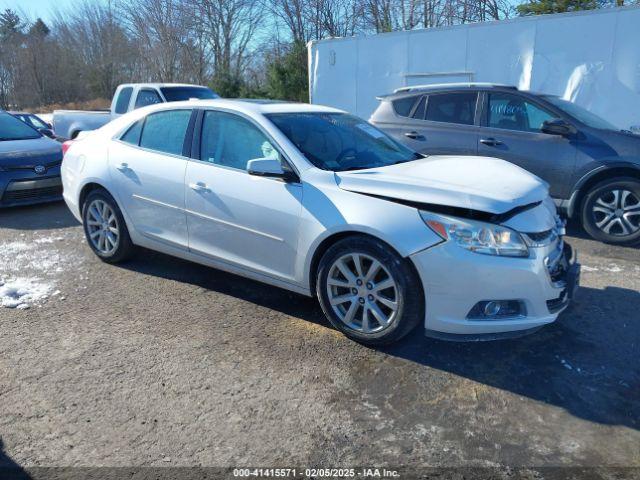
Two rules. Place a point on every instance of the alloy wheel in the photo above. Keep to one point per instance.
(617, 212)
(102, 226)
(362, 293)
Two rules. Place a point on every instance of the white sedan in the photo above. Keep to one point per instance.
(317, 201)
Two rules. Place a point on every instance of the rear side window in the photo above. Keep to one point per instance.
(165, 131)
(403, 106)
(147, 97)
(132, 135)
(123, 100)
(457, 108)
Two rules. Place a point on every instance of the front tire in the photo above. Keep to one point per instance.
(368, 291)
(611, 211)
(105, 229)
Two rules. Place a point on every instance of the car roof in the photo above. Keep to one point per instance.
(443, 87)
(261, 106)
(160, 85)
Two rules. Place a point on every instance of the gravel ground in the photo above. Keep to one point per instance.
(161, 362)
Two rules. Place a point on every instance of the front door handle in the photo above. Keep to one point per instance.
(490, 142)
(414, 135)
(199, 187)
(123, 167)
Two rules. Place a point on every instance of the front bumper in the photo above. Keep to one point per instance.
(25, 187)
(455, 279)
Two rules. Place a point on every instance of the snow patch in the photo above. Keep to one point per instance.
(22, 292)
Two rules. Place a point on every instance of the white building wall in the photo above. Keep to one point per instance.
(591, 58)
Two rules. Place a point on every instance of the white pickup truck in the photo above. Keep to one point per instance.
(67, 124)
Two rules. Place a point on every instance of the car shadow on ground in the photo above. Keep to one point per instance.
(10, 470)
(37, 217)
(586, 362)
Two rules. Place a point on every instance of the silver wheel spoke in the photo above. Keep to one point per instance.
(355, 298)
(615, 212)
(381, 317)
(339, 282)
(102, 227)
(373, 270)
(387, 303)
(346, 272)
(366, 325)
(342, 299)
(357, 261)
(383, 285)
(350, 313)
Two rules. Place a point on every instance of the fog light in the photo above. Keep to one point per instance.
(491, 309)
(497, 309)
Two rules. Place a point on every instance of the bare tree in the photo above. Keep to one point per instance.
(228, 27)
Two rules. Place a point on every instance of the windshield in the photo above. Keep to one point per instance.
(178, 94)
(582, 115)
(13, 129)
(338, 142)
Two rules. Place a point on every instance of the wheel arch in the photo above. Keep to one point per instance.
(87, 189)
(596, 176)
(334, 238)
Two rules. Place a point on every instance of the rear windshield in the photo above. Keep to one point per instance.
(13, 129)
(178, 94)
(339, 142)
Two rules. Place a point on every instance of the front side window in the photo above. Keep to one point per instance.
(231, 141)
(338, 141)
(12, 128)
(457, 108)
(147, 97)
(512, 112)
(165, 131)
(123, 100)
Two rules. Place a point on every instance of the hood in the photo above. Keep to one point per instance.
(477, 183)
(616, 144)
(29, 153)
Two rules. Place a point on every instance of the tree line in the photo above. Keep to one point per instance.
(240, 48)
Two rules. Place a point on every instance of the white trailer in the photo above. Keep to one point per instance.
(591, 58)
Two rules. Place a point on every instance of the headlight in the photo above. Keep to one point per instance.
(478, 237)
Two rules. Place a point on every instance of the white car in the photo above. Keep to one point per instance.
(317, 201)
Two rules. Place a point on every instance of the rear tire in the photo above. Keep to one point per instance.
(611, 211)
(368, 291)
(105, 229)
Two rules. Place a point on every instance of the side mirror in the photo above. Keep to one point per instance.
(269, 167)
(46, 132)
(557, 126)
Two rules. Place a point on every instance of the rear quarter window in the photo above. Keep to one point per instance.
(402, 106)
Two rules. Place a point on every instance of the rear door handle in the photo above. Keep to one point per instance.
(491, 142)
(199, 187)
(123, 167)
(414, 135)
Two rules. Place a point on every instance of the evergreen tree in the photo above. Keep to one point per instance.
(540, 7)
(287, 76)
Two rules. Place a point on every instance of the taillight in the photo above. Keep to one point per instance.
(65, 146)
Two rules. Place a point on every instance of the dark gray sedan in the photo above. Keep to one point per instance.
(593, 168)
(29, 164)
